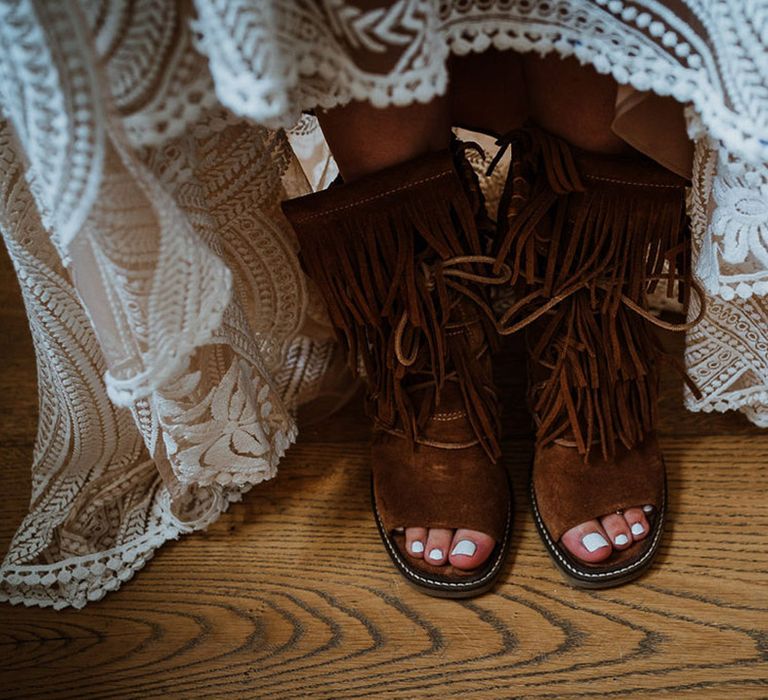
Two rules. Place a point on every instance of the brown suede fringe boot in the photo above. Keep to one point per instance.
(399, 260)
(589, 236)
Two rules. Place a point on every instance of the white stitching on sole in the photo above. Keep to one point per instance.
(600, 574)
(447, 584)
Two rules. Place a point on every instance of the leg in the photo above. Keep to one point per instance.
(573, 102)
(365, 140)
(577, 104)
(488, 91)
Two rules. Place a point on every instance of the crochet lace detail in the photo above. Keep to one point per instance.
(727, 353)
(162, 288)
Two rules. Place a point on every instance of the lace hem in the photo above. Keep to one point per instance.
(642, 44)
(76, 581)
(676, 70)
(754, 405)
(689, 54)
(726, 355)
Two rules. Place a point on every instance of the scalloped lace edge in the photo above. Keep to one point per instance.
(711, 115)
(131, 556)
(754, 406)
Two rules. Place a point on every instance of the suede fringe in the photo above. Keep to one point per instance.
(589, 243)
(380, 264)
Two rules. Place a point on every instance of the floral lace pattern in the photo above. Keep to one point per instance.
(171, 348)
(727, 353)
(140, 180)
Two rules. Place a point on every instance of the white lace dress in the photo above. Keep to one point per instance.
(143, 163)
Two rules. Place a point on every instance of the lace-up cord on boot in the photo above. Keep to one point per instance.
(422, 389)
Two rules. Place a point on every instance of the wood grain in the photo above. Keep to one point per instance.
(291, 594)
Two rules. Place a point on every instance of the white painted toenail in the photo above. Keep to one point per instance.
(465, 547)
(436, 554)
(647, 509)
(637, 529)
(621, 539)
(417, 547)
(594, 541)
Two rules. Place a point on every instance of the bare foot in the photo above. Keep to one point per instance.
(594, 540)
(464, 549)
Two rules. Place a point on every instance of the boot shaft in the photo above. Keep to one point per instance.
(400, 263)
(588, 237)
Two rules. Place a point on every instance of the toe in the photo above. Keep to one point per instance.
(588, 541)
(415, 541)
(616, 528)
(469, 549)
(436, 548)
(637, 522)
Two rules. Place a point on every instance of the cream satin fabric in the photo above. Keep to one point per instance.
(655, 126)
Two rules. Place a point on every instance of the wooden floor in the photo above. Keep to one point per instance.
(291, 594)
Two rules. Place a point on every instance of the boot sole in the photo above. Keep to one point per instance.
(446, 586)
(598, 577)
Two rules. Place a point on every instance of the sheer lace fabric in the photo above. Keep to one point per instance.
(175, 345)
(175, 334)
